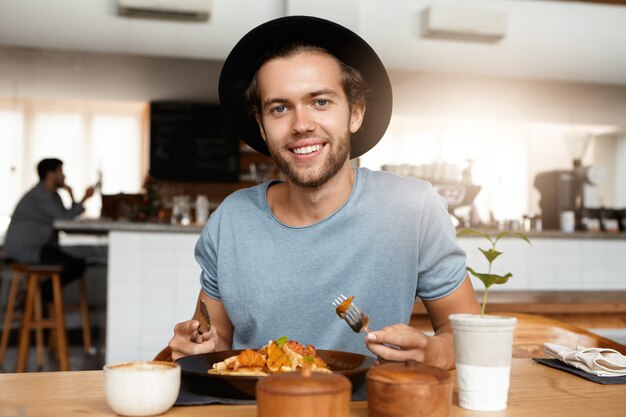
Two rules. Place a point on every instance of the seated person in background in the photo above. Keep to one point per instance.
(31, 237)
(275, 256)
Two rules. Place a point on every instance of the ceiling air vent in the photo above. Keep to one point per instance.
(185, 10)
(464, 24)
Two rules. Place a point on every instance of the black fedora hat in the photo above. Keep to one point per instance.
(251, 51)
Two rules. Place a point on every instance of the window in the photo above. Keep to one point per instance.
(89, 137)
(11, 123)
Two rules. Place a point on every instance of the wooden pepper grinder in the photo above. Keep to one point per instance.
(408, 390)
(303, 394)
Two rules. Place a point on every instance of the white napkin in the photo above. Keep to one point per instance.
(597, 361)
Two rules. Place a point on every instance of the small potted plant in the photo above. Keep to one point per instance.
(488, 278)
(483, 344)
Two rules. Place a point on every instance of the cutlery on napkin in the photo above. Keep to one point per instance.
(597, 361)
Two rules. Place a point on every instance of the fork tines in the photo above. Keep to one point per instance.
(353, 316)
(339, 300)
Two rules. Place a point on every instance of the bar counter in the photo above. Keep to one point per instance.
(95, 226)
(104, 225)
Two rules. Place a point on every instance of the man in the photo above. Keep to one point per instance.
(31, 237)
(275, 256)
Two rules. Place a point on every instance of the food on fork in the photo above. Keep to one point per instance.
(348, 311)
(281, 355)
(342, 308)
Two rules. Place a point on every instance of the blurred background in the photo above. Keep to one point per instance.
(491, 85)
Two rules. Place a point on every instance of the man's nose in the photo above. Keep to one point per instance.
(302, 122)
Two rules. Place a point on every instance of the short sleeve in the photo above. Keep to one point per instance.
(442, 262)
(206, 256)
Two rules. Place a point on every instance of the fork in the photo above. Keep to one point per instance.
(356, 319)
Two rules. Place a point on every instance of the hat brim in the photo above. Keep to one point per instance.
(248, 54)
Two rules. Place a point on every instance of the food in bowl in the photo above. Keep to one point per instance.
(280, 355)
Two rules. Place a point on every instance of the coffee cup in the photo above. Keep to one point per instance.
(141, 388)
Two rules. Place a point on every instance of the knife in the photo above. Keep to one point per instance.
(204, 319)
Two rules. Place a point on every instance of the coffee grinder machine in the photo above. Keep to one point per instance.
(563, 190)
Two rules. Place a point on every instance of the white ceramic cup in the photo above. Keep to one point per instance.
(141, 388)
(483, 349)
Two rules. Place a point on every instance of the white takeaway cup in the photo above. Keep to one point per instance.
(483, 348)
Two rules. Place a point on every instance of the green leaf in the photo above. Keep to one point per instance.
(473, 232)
(490, 254)
(502, 279)
(281, 341)
(307, 358)
(516, 234)
(490, 279)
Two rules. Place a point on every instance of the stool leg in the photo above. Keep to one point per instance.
(8, 315)
(52, 344)
(60, 322)
(84, 313)
(22, 354)
(38, 329)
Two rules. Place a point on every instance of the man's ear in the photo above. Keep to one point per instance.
(258, 121)
(357, 112)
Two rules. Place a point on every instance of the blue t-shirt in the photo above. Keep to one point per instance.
(390, 242)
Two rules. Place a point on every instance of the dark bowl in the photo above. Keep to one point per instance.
(195, 377)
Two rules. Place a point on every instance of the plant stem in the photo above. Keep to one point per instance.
(482, 310)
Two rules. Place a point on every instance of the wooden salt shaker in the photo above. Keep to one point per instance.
(303, 394)
(408, 390)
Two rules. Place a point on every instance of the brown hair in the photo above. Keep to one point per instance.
(354, 85)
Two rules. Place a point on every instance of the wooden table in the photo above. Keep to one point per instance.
(536, 390)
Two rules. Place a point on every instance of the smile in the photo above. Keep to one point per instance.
(307, 149)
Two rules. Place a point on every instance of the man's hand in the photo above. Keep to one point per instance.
(187, 341)
(88, 193)
(409, 343)
(400, 343)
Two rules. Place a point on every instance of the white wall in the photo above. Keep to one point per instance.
(37, 73)
(483, 98)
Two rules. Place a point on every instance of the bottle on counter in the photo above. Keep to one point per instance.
(181, 213)
(202, 209)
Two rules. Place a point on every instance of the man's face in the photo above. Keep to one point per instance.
(59, 177)
(305, 117)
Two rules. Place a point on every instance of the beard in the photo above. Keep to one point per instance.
(312, 178)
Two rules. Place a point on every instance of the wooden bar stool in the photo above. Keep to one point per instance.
(33, 314)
